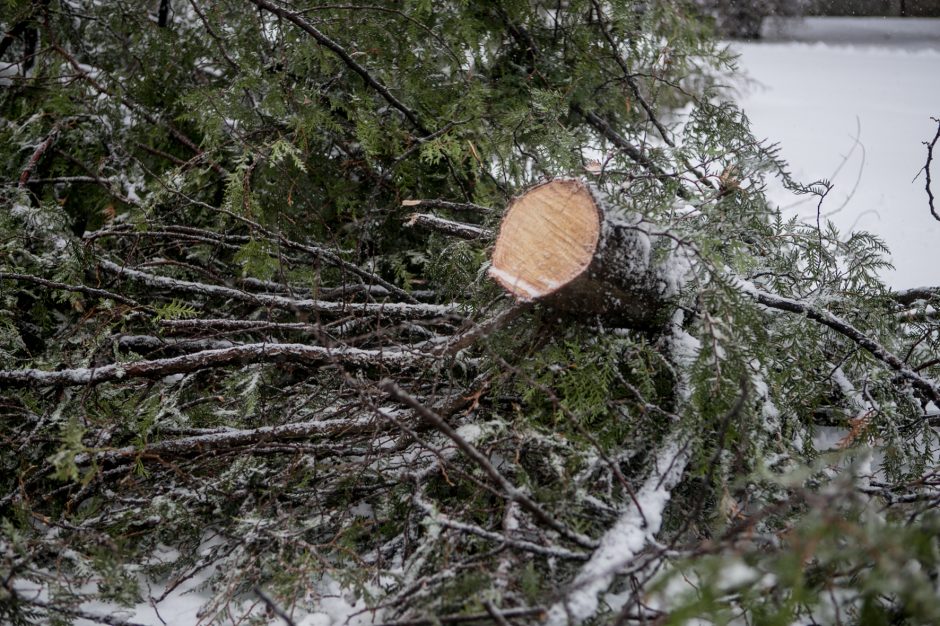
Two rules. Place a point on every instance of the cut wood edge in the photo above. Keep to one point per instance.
(547, 239)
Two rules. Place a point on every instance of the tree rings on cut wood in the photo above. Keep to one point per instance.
(560, 245)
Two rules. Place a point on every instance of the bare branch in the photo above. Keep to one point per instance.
(391, 309)
(207, 359)
(448, 227)
(930, 147)
(230, 325)
(511, 491)
(233, 438)
(444, 204)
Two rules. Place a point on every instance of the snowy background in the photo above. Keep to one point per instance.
(850, 100)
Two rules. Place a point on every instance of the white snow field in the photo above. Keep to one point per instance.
(874, 80)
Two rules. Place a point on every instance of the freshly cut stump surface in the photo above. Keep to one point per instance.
(561, 246)
(547, 239)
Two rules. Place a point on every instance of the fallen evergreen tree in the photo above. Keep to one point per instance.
(445, 312)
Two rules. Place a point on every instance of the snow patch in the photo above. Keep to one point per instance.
(516, 283)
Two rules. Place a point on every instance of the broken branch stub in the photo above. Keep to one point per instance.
(560, 245)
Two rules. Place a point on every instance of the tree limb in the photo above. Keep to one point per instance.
(232, 438)
(90, 291)
(511, 491)
(238, 355)
(929, 387)
(391, 309)
(37, 154)
(445, 204)
(912, 295)
(351, 63)
(452, 228)
(605, 129)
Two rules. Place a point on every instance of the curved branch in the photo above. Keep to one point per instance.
(930, 146)
(929, 387)
(338, 50)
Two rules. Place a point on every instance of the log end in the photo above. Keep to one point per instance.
(547, 239)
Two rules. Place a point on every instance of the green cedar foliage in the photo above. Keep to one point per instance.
(247, 158)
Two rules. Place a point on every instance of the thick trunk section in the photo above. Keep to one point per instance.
(560, 245)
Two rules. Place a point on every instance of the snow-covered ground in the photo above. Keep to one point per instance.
(850, 99)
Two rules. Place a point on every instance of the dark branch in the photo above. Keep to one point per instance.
(88, 291)
(511, 491)
(605, 129)
(930, 146)
(351, 63)
(928, 387)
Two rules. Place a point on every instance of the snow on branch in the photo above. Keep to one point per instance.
(446, 204)
(391, 309)
(232, 438)
(927, 386)
(907, 297)
(445, 226)
(237, 355)
(638, 525)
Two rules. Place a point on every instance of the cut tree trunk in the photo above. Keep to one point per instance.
(559, 244)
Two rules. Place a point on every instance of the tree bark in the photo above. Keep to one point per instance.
(561, 245)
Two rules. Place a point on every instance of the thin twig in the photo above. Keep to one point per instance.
(351, 63)
(926, 170)
(511, 491)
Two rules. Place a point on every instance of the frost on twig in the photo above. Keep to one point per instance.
(637, 525)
